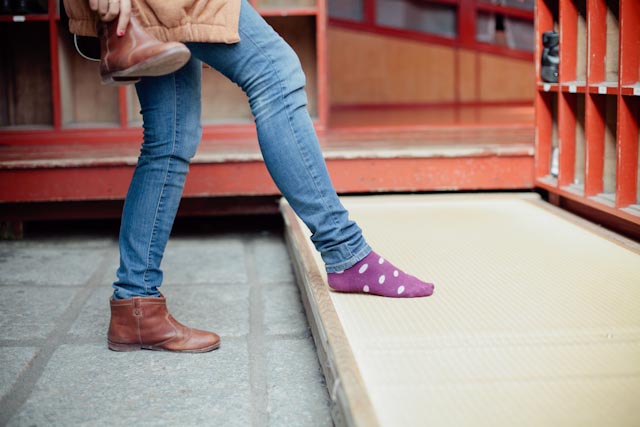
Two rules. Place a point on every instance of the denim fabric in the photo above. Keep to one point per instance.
(269, 72)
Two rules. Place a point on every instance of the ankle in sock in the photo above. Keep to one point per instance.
(375, 275)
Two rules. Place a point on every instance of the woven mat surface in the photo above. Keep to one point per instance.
(535, 320)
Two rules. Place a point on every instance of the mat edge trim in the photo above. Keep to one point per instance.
(350, 399)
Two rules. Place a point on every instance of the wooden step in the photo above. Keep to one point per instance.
(373, 160)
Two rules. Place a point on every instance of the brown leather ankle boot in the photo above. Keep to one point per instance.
(145, 323)
(123, 60)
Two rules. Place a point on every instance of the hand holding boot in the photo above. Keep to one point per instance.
(108, 10)
(127, 51)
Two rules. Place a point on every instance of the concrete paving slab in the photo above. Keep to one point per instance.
(31, 312)
(93, 320)
(297, 391)
(272, 261)
(283, 310)
(197, 260)
(90, 385)
(13, 360)
(58, 264)
(223, 309)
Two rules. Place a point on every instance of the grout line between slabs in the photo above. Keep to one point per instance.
(22, 388)
(256, 341)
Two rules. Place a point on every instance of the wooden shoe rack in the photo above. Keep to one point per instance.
(587, 123)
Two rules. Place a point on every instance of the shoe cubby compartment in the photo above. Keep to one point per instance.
(571, 134)
(610, 147)
(601, 138)
(85, 101)
(547, 136)
(628, 153)
(547, 19)
(25, 76)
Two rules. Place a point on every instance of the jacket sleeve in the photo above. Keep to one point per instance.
(82, 20)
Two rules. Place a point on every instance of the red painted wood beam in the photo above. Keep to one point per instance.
(591, 202)
(251, 178)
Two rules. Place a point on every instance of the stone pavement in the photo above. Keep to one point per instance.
(55, 368)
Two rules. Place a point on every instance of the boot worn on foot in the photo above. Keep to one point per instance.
(145, 323)
(124, 59)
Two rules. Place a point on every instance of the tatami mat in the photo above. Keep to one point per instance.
(535, 319)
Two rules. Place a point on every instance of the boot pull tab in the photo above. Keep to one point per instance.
(137, 311)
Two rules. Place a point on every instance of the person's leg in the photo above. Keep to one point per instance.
(269, 71)
(170, 108)
(171, 119)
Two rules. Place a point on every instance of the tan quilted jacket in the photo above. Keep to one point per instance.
(213, 21)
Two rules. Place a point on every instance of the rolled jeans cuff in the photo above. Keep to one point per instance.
(350, 262)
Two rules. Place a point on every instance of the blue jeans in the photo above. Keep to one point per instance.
(269, 72)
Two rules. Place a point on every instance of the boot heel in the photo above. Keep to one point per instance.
(123, 347)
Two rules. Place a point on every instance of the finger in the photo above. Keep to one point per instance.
(103, 7)
(125, 15)
(93, 5)
(114, 10)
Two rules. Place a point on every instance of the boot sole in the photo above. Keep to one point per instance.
(164, 63)
(134, 347)
(119, 81)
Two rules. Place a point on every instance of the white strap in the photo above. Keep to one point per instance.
(75, 42)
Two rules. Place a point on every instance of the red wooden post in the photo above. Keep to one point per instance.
(467, 23)
(123, 108)
(629, 44)
(55, 69)
(568, 41)
(594, 140)
(321, 61)
(369, 12)
(567, 138)
(596, 40)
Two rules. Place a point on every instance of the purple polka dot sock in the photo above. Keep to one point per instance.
(375, 275)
